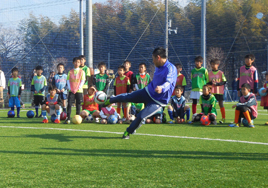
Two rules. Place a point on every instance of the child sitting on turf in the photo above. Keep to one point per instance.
(199, 76)
(157, 118)
(75, 82)
(60, 81)
(178, 109)
(181, 81)
(108, 111)
(217, 80)
(14, 91)
(264, 100)
(38, 86)
(89, 106)
(122, 85)
(246, 108)
(52, 105)
(208, 104)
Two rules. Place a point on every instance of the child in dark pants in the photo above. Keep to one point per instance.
(38, 86)
(178, 109)
(75, 81)
(246, 108)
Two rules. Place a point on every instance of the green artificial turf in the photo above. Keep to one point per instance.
(79, 156)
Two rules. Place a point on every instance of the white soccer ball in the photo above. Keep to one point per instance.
(89, 119)
(100, 97)
(194, 115)
(132, 117)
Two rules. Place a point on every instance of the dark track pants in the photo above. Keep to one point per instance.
(140, 96)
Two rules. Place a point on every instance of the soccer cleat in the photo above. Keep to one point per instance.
(97, 120)
(67, 121)
(188, 121)
(125, 135)
(266, 123)
(45, 121)
(251, 125)
(107, 102)
(57, 121)
(233, 125)
(124, 119)
(214, 122)
(222, 121)
(18, 116)
(170, 122)
(36, 116)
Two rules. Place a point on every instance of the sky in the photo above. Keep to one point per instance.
(13, 11)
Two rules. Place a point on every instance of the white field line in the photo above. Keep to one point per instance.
(140, 134)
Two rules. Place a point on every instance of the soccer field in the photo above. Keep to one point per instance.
(94, 155)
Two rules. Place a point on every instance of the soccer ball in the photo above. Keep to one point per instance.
(100, 97)
(63, 116)
(53, 117)
(11, 114)
(205, 120)
(245, 122)
(132, 118)
(77, 119)
(194, 116)
(30, 114)
(89, 119)
(261, 93)
(112, 119)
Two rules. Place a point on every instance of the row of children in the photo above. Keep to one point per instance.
(77, 82)
(208, 87)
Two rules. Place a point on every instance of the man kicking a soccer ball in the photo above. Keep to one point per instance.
(155, 95)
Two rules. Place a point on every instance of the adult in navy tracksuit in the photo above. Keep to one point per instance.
(155, 95)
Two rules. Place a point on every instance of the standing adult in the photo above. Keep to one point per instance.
(2, 87)
(155, 95)
(234, 92)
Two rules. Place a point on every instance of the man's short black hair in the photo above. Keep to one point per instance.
(179, 87)
(122, 67)
(246, 85)
(15, 69)
(60, 64)
(160, 51)
(75, 59)
(142, 64)
(52, 87)
(101, 64)
(215, 61)
(127, 61)
(178, 65)
(250, 56)
(198, 59)
(39, 67)
(82, 57)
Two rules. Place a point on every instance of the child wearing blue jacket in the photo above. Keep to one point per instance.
(178, 109)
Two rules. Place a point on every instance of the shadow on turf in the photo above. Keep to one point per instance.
(146, 154)
(63, 138)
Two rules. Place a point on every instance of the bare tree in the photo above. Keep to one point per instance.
(11, 45)
(215, 53)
